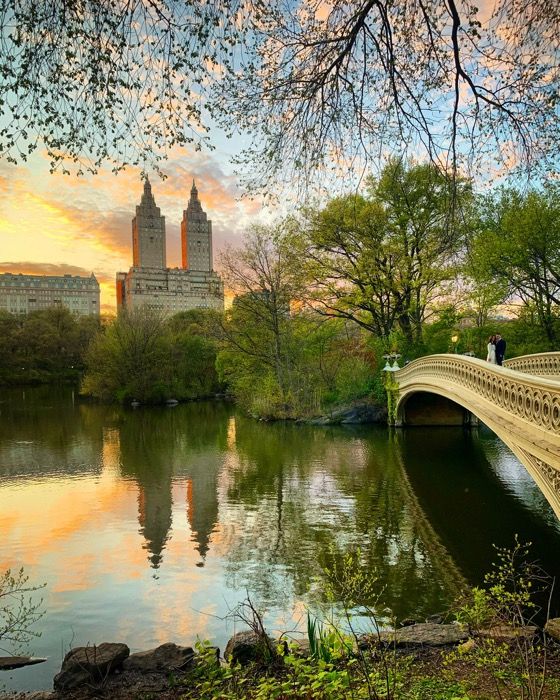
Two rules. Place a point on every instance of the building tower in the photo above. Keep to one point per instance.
(196, 236)
(148, 232)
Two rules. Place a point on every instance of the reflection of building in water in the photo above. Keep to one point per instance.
(154, 515)
(146, 456)
(202, 506)
(158, 446)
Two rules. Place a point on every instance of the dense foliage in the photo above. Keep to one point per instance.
(384, 259)
(278, 358)
(415, 264)
(142, 356)
(44, 346)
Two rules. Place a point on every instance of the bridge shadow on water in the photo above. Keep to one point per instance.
(470, 503)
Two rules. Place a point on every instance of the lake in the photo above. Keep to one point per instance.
(150, 525)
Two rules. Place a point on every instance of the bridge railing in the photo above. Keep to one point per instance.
(543, 364)
(530, 397)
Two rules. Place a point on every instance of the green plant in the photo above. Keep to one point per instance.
(326, 644)
(437, 689)
(380, 668)
(475, 609)
(514, 656)
(19, 610)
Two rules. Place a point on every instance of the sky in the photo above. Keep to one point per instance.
(63, 224)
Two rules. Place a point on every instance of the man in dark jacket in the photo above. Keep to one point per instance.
(500, 349)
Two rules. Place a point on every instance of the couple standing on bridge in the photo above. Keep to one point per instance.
(496, 349)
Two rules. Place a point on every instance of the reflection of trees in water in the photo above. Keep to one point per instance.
(41, 431)
(310, 494)
(469, 505)
(160, 444)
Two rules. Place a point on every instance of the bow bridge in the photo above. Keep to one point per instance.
(520, 402)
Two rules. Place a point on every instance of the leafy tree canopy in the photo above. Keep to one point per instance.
(517, 246)
(317, 85)
(383, 258)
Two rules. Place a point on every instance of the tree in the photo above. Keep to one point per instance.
(193, 339)
(143, 356)
(19, 610)
(45, 345)
(518, 246)
(130, 359)
(317, 85)
(382, 258)
(265, 284)
(279, 359)
(94, 81)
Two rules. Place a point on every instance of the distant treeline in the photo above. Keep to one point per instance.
(416, 264)
(45, 346)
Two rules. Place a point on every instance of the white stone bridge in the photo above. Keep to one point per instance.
(520, 402)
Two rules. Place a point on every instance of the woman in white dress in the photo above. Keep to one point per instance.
(491, 356)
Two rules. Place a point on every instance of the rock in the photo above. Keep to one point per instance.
(466, 647)
(8, 663)
(90, 664)
(245, 647)
(321, 420)
(435, 619)
(552, 628)
(165, 658)
(171, 402)
(301, 647)
(506, 633)
(407, 622)
(135, 403)
(362, 412)
(422, 634)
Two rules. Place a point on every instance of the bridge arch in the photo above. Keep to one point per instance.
(522, 409)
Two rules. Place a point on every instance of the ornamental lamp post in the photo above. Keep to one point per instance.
(394, 356)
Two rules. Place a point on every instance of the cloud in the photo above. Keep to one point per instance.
(27, 267)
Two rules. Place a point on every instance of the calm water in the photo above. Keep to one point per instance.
(149, 525)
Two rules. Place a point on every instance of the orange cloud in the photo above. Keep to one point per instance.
(27, 267)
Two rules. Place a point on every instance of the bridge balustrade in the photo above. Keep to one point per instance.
(543, 364)
(520, 405)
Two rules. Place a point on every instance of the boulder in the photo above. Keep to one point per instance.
(467, 647)
(422, 634)
(246, 647)
(407, 622)
(165, 658)
(437, 619)
(300, 647)
(552, 628)
(8, 663)
(506, 633)
(90, 664)
(361, 413)
(358, 413)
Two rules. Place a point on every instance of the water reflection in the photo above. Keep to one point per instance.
(151, 524)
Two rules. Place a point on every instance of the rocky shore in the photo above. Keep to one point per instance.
(109, 670)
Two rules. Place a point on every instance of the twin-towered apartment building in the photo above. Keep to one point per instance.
(149, 282)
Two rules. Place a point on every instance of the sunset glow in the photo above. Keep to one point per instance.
(55, 224)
